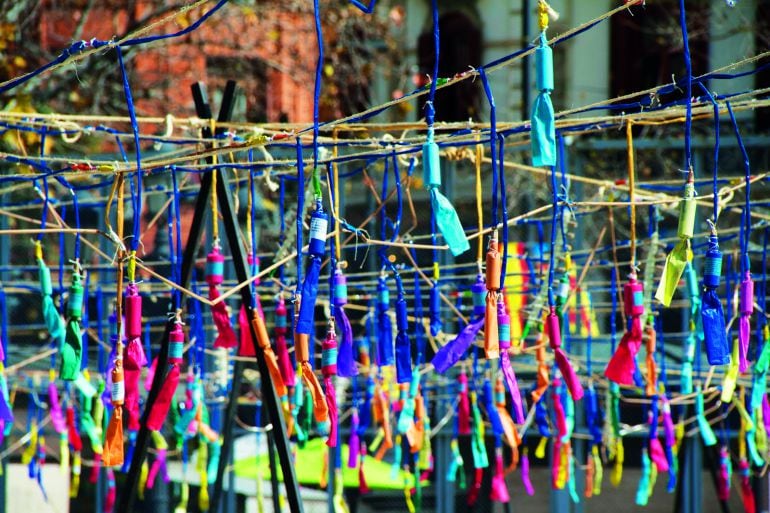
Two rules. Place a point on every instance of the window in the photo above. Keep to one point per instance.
(647, 48)
(459, 48)
(251, 75)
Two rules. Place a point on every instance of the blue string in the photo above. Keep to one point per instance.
(504, 205)
(555, 210)
(300, 207)
(99, 298)
(135, 128)
(4, 326)
(688, 88)
(430, 111)
(44, 214)
(253, 234)
(368, 9)
(492, 141)
(282, 214)
(62, 249)
(85, 320)
(184, 31)
(317, 87)
(178, 222)
(563, 170)
(714, 186)
(729, 287)
(399, 195)
(383, 211)
(76, 208)
(613, 317)
(172, 249)
(745, 265)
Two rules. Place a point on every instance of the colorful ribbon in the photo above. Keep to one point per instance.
(113, 441)
(542, 119)
(712, 315)
(215, 266)
(53, 320)
(446, 216)
(329, 370)
(162, 404)
(622, 365)
(568, 373)
(504, 331)
(73, 344)
(681, 255)
(346, 363)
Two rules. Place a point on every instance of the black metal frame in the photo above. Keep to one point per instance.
(278, 433)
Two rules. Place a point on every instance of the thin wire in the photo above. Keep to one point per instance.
(631, 189)
(688, 87)
(746, 219)
(138, 149)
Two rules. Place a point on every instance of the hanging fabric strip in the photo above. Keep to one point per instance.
(455, 349)
(384, 325)
(542, 119)
(53, 321)
(681, 255)
(499, 489)
(463, 406)
(446, 216)
(731, 375)
(725, 474)
(670, 443)
(568, 373)
(652, 369)
(346, 363)
(134, 358)
(656, 452)
(271, 360)
(403, 346)
(509, 428)
(525, 479)
(709, 439)
(215, 267)
(159, 411)
(281, 347)
(72, 348)
(622, 365)
(712, 315)
(494, 270)
(113, 441)
(642, 491)
(504, 330)
(329, 370)
(744, 323)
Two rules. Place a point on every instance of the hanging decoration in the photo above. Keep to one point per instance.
(543, 126)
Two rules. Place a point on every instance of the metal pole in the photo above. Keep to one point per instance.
(273, 475)
(268, 390)
(127, 495)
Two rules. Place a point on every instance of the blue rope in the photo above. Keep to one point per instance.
(714, 186)
(504, 205)
(688, 88)
(44, 214)
(317, 87)
(492, 142)
(430, 110)
(552, 257)
(300, 207)
(746, 233)
(138, 150)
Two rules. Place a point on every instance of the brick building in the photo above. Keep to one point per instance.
(271, 52)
